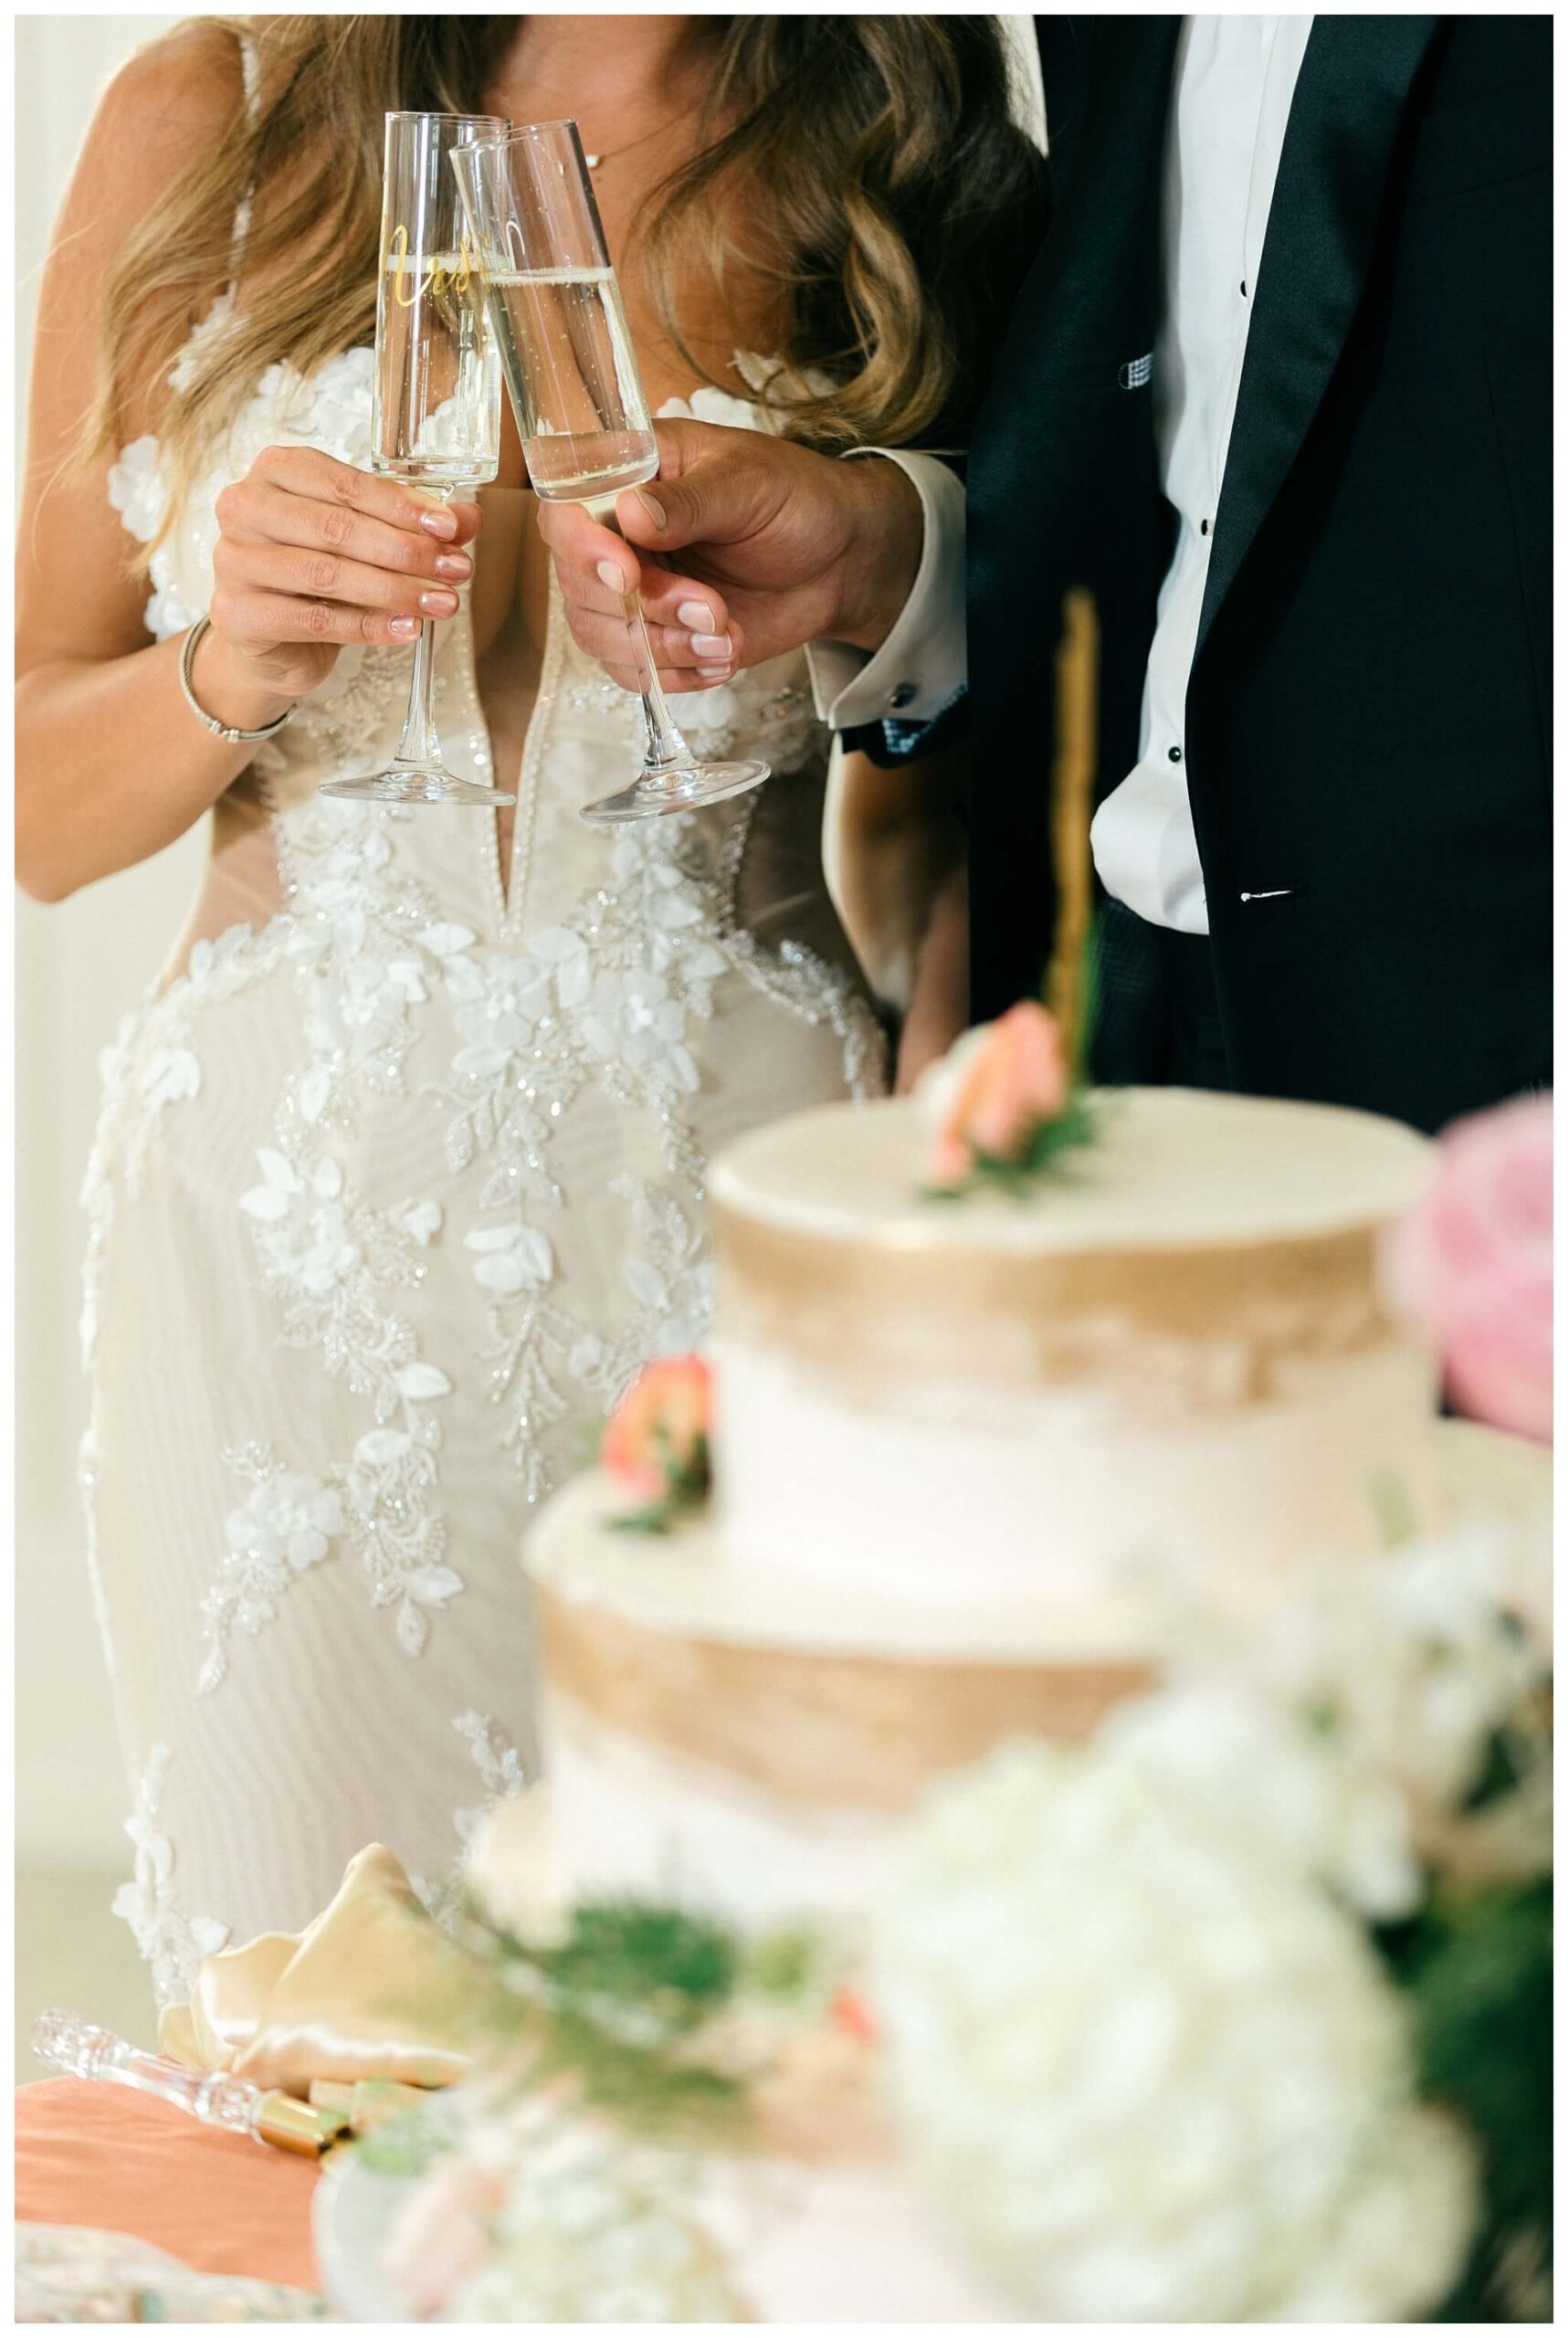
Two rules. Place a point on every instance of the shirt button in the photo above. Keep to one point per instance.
(1203, 527)
(1175, 754)
(904, 695)
(1244, 288)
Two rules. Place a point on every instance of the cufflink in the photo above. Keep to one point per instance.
(904, 695)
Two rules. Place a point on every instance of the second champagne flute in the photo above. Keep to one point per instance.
(555, 310)
(437, 413)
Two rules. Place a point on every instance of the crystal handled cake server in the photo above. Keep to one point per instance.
(217, 2099)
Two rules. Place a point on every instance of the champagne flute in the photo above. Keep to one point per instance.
(437, 413)
(582, 414)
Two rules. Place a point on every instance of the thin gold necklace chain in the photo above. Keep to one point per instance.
(595, 162)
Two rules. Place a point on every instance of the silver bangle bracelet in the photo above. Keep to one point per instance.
(210, 721)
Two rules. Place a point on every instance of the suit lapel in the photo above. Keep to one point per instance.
(1348, 101)
(1089, 306)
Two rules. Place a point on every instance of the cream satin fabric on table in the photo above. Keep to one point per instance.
(367, 1997)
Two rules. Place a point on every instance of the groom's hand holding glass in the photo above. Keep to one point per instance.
(768, 545)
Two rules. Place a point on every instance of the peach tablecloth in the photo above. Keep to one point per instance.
(89, 2153)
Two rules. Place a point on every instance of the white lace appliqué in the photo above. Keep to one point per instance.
(502, 1775)
(172, 1943)
(499, 1763)
(286, 1525)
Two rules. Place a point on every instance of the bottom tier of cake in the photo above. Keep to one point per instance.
(744, 1744)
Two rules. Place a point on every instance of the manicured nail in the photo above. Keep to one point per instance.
(714, 673)
(613, 577)
(654, 508)
(696, 616)
(439, 603)
(717, 649)
(404, 627)
(438, 520)
(455, 565)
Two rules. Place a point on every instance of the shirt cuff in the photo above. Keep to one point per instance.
(923, 666)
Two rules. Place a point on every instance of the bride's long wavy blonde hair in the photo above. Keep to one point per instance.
(865, 172)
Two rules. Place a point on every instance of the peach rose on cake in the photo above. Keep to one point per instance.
(657, 1442)
(988, 1099)
(1471, 1265)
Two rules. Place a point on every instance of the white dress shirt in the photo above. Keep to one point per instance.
(1235, 79)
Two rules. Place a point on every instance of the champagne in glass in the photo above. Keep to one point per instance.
(436, 420)
(556, 313)
(574, 379)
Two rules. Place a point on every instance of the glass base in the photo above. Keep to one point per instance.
(683, 788)
(414, 783)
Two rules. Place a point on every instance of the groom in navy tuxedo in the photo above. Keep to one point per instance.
(1274, 402)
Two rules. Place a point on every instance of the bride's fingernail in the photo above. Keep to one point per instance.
(654, 508)
(611, 575)
(404, 627)
(717, 649)
(439, 521)
(714, 673)
(439, 603)
(697, 616)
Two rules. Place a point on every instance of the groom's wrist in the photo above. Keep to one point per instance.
(882, 558)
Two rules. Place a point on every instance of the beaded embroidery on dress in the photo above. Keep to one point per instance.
(395, 1189)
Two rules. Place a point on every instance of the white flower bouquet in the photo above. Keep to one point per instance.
(1241, 2012)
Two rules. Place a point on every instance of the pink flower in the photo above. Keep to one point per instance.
(1472, 1267)
(851, 2014)
(657, 1439)
(443, 2237)
(991, 1093)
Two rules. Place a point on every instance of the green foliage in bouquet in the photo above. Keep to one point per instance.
(411, 2141)
(1478, 1969)
(642, 2006)
(626, 1951)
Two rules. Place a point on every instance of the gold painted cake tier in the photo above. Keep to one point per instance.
(1215, 1238)
(821, 1699)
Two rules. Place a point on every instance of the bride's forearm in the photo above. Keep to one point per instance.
(111, 764)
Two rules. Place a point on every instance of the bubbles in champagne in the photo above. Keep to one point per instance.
(573, 374)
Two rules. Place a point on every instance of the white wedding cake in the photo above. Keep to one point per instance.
(974, 1454)
(960, 1446)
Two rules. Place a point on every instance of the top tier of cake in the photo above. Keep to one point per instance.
(1170, 1169)
(1174, 1349)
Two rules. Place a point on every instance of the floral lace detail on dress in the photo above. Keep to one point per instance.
(172, 1943)
(499, 1763)
(152, 1065)
(609, 996)
(501, 1776)
(329, 408)
(286, 1525)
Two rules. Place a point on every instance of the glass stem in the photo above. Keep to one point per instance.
(419, 744)
(666, 747)
(666, 750)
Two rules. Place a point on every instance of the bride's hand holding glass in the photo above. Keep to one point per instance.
(311, 554)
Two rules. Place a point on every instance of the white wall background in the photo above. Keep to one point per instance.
(79, 967)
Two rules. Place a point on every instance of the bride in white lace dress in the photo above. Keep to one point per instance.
(399, 1176)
